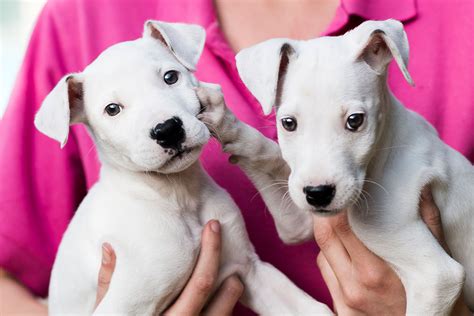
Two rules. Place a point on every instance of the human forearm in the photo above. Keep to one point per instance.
(16, 299)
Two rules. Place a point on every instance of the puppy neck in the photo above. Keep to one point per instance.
(384, 145)
(183, 188)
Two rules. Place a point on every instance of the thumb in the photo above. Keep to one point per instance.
(431, 216)
(107, 268)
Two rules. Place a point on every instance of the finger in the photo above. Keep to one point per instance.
(107, 268)
(332, 247)
(357, 251)
(202, 281)
(335, 289)
(331, 281)
(227, 296)
(431, 216)
(460, 307)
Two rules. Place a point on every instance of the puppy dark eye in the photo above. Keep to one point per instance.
(354, 121)
(113, 109)
(289, 123)
(170, 77)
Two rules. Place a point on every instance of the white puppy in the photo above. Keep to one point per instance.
(350, 144)
(138, 100)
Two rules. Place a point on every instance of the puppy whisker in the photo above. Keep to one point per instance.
(377, 184)
(280, 184)
(363, 194)
(288, 203)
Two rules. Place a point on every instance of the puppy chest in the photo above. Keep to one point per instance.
(168, 249)
(142, 227)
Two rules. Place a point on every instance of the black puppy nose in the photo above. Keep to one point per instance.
(320, 195)
(170, 133)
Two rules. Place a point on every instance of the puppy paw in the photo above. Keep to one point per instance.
(218, 118)
(210, 94)
(233, 148)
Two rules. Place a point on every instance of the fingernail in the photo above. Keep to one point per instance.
(426, 195)
(215, 226)
(106, 253)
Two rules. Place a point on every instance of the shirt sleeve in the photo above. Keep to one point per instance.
(40, 184)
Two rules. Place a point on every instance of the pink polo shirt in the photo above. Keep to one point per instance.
(42, 185)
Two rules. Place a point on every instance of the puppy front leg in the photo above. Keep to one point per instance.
(270, 292)
(136, 290)
(433, 287)
(267, 290)
(432, 279)
(121, 300)
(261, 160)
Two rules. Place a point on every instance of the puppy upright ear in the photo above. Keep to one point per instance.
(185, 41)
(377, 42)
(63, 106)
(263, 68)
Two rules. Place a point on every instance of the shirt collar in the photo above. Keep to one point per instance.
(402, 10)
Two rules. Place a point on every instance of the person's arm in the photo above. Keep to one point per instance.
(359, 281)
(41, 184)
(16, 299)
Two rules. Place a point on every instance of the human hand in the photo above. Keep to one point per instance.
(197, 296)
(359, 281)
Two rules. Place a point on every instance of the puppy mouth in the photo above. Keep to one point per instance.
(177, 155)
(325, 212)
(180, 153)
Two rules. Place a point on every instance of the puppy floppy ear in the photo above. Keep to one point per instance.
(380, 41)
(185, 41)
(263, 68)
(63, 106)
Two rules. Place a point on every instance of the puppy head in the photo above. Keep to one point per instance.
(137, 99)
(329, 95)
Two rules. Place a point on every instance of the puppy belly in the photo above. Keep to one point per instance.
(155, 252)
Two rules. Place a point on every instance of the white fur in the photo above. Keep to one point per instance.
(148, 204)
(379, 171)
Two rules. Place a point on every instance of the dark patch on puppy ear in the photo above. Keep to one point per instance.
(76, 99)
(376, 52)
(285, 52)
